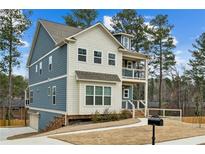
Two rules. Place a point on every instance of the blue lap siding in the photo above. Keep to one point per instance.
(43, 44)
(42, 100)
(45, 118)
(59, 66)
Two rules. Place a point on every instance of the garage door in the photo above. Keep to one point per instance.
(33, 121)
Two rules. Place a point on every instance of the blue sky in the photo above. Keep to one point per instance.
(189, 24)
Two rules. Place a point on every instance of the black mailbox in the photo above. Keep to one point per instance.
(155, 121)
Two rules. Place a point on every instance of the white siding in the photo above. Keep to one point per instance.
(93, 39)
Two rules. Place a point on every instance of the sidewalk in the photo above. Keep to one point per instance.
(186, 141)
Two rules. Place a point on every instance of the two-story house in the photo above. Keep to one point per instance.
(75, 71)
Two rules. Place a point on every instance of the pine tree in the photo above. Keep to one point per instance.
(128, 21)
(12, 25)
(82, 18)
(161, 48)
(197, 64)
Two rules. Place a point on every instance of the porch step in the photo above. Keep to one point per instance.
(139, 114)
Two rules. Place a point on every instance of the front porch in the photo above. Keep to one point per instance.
(134, 97)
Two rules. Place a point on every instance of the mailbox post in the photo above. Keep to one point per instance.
(154, 121)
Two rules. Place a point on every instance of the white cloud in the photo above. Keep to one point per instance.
(26, 44)
(148, 17)
(178, 52)
(175, 41)
(107, 21)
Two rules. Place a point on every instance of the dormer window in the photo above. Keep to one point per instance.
(126, 42)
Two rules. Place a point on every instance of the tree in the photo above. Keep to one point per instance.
(161, 48)
(12, 25)
(128, 21)
(197, 64)
(82, 18)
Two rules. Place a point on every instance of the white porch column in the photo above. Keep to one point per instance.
(146, 86)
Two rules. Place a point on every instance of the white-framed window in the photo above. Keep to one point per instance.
(97, 57)
(89, 95)
(81, 54)
(50, 61)
(31, 96)
(54, 95)
(126, 93)
(129, 64)
(107, 95)
(40, 68)
(98, 95)
(36, 68)
(49, 91)
(111, 59)
(126, 42)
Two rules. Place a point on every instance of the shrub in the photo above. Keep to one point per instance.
(96, 117)
(125, 114)
(110, 116)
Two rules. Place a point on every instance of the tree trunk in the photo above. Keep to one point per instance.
(160, 78)
(10, 73)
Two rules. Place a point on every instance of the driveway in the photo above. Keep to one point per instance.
(6, 132)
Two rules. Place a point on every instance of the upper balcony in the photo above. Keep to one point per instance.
(134, 69)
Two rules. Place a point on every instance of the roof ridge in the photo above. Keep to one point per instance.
(54, 22)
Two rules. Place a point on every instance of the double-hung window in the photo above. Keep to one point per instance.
(126, 42)
(97, 57)
(107, 95)
(89, 95)
(50, 61)
(40, 68)
(81, 54)
(111, 59)
(31, 96)
(98, 95)
(54, 95)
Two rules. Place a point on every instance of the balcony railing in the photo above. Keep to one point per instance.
(133, 73)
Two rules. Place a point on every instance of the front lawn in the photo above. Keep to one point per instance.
(172, 130)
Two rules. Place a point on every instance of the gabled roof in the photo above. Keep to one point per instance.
(59, 32)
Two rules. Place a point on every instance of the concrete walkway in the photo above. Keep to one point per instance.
(186, 141)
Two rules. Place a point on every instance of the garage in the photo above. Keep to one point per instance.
(33, 119)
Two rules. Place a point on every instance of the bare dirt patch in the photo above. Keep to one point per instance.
(172, 130)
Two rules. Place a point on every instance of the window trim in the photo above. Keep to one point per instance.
(131, 64)
(97, 57)
(82, 55)
(112, 58)
(54, 95)
(36, 68)
(40, 67)
(49, 91)
(128, 93)
(30, 97)
(128, 42)
(96, 85)
(50, 63)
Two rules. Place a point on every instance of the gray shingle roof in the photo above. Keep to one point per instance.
(59, 31)
(82, 75)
